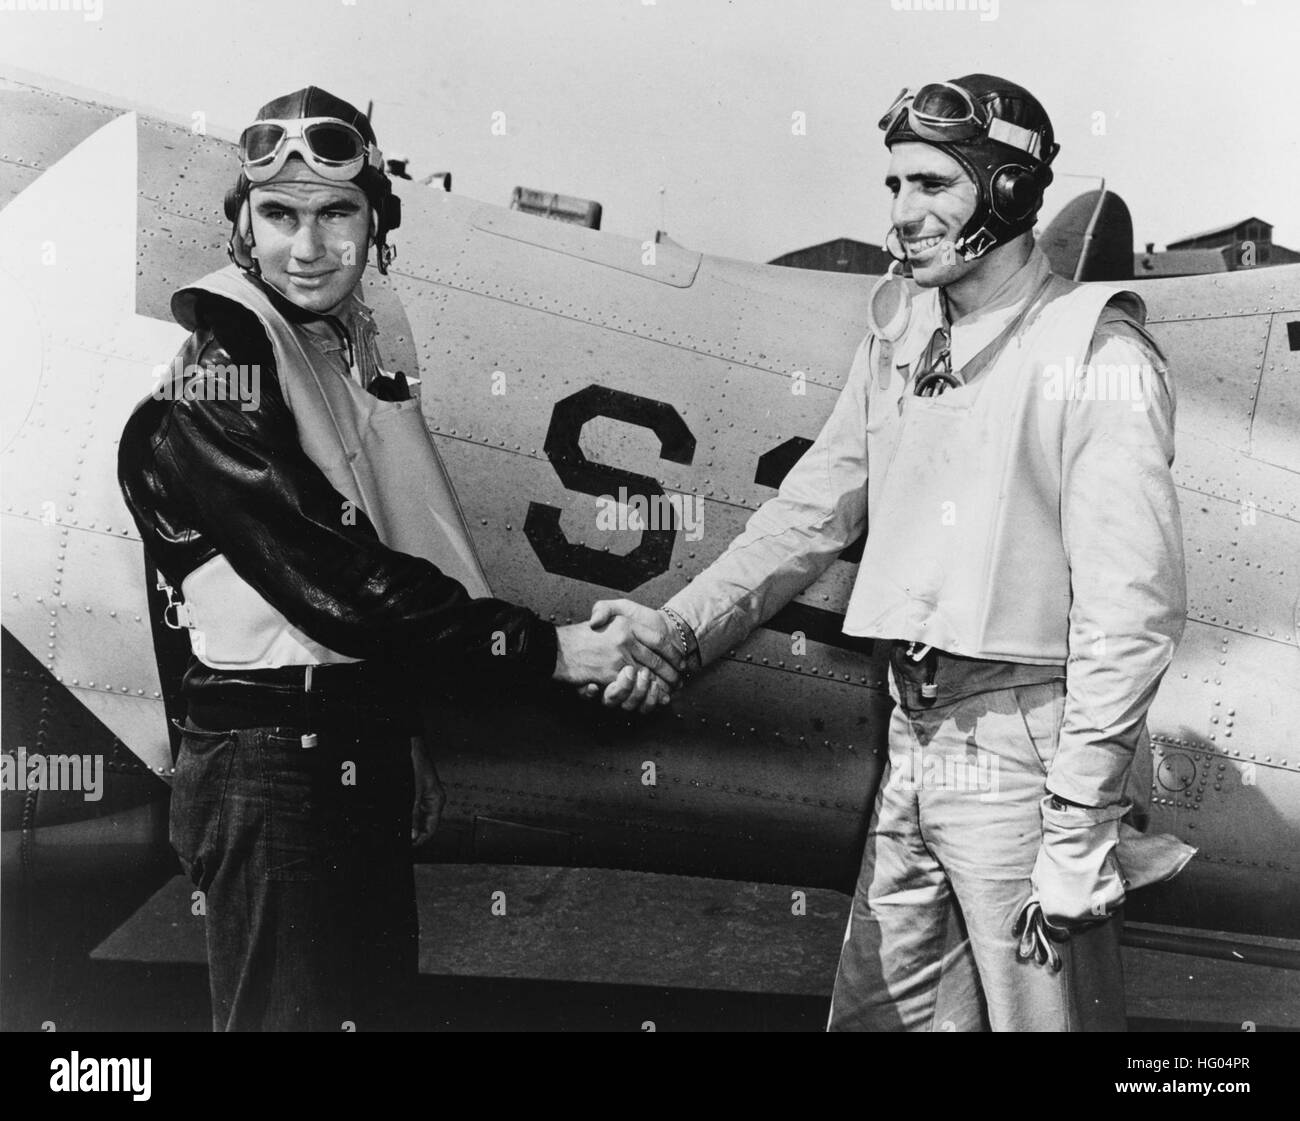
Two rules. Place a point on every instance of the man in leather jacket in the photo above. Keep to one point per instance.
(316, 604)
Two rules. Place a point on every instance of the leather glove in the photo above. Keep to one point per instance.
(1086, 863)
(1077, 876)
(1036, 936)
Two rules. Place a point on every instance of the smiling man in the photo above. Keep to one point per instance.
(1024, 568)
(323, 600)
(309, 274)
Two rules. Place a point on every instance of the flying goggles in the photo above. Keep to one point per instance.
(330, 147)
(944, 113)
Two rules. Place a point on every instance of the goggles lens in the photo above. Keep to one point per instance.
(944, 106)
(336, 143)
(940, 112)
(260, 142)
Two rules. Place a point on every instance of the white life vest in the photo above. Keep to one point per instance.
(964, 551)
(376, 454)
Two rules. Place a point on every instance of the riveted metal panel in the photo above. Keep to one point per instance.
(771, 312)
(57, 423)
(441, 246)
(122, 690)
(1242, 575)
(1208, 699)
(1274, 436)
(33, 553)
(167, 153)
(1204, 467)
(185, 172)
(1232, 810)
(735, 413)
(1245, 292)
(172, 251)
(1259, 696)
(396, 339)
(1215, 366)
(1223, 778)
(15, 178)
(40, 126)
(669, 264)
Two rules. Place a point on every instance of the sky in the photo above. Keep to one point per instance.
(683, 114)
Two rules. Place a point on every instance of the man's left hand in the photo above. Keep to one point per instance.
(1076, 883)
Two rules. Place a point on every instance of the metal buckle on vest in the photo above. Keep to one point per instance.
(184, 617)
(938, 375)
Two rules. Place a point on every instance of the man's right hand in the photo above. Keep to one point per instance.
(597, 655)
(630, 691)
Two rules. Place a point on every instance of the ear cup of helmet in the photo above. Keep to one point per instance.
(235, 199)
(379, 190)
(239, 247)
(388, 212)
(1016, 193)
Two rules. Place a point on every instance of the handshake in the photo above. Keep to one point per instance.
(629, 655)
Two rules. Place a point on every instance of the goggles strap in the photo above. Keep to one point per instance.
(1014, 136)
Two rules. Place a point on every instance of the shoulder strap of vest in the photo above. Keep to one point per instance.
(231, 284)
(228, 282)
(1089, 305)
(1129, 309)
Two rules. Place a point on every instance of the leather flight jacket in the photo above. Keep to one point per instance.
(203, 475)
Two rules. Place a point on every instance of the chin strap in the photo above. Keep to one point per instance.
(974, 247)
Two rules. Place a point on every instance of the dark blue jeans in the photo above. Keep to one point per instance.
(304, 858)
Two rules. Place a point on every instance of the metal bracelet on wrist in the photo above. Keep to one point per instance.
(679, 624)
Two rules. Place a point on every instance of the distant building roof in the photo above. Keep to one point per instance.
(1179, 262)
(1225, 232)
(841, 254)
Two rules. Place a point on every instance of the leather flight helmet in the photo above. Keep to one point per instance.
(316, 104)
(1000, 134)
